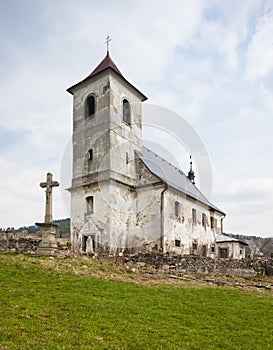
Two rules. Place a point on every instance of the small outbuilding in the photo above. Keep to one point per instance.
(229, 247)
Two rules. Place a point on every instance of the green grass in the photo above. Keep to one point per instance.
(45, 309)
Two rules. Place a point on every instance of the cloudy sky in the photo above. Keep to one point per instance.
(209, 61)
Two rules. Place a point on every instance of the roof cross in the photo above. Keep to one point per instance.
(108, 39)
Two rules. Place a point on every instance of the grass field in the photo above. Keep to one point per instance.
(43, 307)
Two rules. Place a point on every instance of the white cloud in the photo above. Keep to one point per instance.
(259, 55)
(22, 200)
(267, 97)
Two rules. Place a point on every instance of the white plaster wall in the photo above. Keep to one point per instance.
(234, 249)
(124, 138)
(96, 223)
(148, 215)
(91, 133)
(122, 159)
(120, 90)
(183, 229)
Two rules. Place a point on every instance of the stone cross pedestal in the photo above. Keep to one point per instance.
(48, 245)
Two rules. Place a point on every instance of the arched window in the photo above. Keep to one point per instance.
(90, 106)
(194, 219)
(126, 112)
(177, 209)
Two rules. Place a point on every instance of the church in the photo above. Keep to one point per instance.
(125, 198)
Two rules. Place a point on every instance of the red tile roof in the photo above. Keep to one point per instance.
(107, 62)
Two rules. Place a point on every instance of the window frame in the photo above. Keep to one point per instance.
(87, 107)
(89, 204)
(127, 119)
(211, 222)
(177, 243)
(194, 246)
(177, 209)
(90, 154)
(194, 216)
(204, 216)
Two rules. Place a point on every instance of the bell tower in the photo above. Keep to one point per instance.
(107, 130)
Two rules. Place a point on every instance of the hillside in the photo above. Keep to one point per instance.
(63, 230)
(79, 303)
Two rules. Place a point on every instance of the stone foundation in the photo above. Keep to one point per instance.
(177, 264)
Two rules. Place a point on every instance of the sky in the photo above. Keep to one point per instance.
(211, 62)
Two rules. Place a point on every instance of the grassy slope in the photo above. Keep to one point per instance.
(41, 308)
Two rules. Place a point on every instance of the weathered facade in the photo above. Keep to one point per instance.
(228, 247)
(124, 197)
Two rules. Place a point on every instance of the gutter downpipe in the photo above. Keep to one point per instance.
(222, 218)
(162, 207)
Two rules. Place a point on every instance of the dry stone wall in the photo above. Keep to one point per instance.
(27, 245)
(177, 264)
(19, 245)
(195, 264)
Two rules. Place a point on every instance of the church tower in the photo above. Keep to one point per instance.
(107, 131)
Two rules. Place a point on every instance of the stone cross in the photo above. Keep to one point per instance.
(49, 184)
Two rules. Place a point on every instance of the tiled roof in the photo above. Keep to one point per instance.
(173, 176)
(107, 63)
(223, 238)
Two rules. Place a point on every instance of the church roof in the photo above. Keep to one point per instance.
(173, 176)
(223, 238)
(107, 63)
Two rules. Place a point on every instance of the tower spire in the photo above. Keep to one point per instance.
(108, 39)
(191, 174)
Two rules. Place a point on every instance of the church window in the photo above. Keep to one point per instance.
(127, 158)
(90, 154)
(176, 209)
(177, 243)
(212, 249)
(126, 110)
(194, 248)
(90, 106)
(90, 204)
(194, 216)
(203, 219)
(211, 222)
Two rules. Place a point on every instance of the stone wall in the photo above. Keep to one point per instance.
(195, 264)
(27, 245)
(177, 264)
(19, 245)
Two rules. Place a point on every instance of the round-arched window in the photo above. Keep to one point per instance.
(90, 106)
(126, 112)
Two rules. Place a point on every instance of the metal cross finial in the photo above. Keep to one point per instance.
(108, 39)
